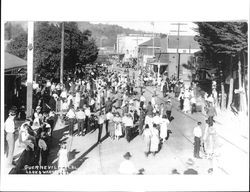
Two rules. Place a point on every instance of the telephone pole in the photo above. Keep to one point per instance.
(30, 68)
(178, 45)
(153, 24)
(62, 55)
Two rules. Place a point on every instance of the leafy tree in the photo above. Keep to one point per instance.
(223, 44)
(12, 30)
(220, 39)
(89, 52)
(47, 48)
(18, 46)
(79, 47)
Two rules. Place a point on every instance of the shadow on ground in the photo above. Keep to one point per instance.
(55, 144)
(80, 160)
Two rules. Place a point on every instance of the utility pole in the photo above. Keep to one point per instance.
(153, 24)
(137, 50)
(62, 55)
(137, 44)
(178, 45)
(30, 68)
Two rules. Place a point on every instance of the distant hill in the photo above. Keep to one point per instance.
(107, 32)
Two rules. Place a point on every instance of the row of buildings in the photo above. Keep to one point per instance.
(163, 53)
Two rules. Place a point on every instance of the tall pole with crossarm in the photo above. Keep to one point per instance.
(178, 46)
(30, 68)
(62, 54)
(153, 24)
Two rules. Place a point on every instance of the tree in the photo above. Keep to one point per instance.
(89, 52)
(12, 30)
(223, 44)
(79, 47)
(18, 46)
(47, 49)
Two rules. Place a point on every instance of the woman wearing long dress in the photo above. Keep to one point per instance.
(209, 140)
(63, 160)
(147, 138)
(164, 128)
(186, 106)
(162, 84)
(154, 144)
(118, 127)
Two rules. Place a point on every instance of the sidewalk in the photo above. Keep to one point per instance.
(233, 138)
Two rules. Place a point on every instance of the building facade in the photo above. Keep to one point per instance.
(171, 62)
(128, 44)
(184, 44)
(148, 49)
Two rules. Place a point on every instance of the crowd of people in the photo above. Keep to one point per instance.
(105, 101)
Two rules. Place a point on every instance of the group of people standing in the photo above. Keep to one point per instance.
(107, 101)
(34, 136)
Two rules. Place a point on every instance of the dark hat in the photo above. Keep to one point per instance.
(127, 155)
(210, 170)
(174, 171)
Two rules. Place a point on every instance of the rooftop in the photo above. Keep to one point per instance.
(185, 42)
(149, 43)
(12, 61)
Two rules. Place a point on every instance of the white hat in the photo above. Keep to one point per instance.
(55, 95)
(210, 99)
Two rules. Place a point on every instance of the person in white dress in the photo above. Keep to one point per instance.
(164, 128)
(153, 101)
(162, 84)
(62, 160)
(147, 138)
(157, 119)
(209, 139)
(118, 127)
(186, 107)
(159, 81)
(149, 120)
(37, 121)
(154, 144)
(77, 100)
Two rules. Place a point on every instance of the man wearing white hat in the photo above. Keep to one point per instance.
(127, 167)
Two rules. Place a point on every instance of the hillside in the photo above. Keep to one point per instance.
(107, 32)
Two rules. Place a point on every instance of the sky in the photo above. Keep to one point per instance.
(159, 26)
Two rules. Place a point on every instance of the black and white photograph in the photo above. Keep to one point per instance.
(125, 98)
